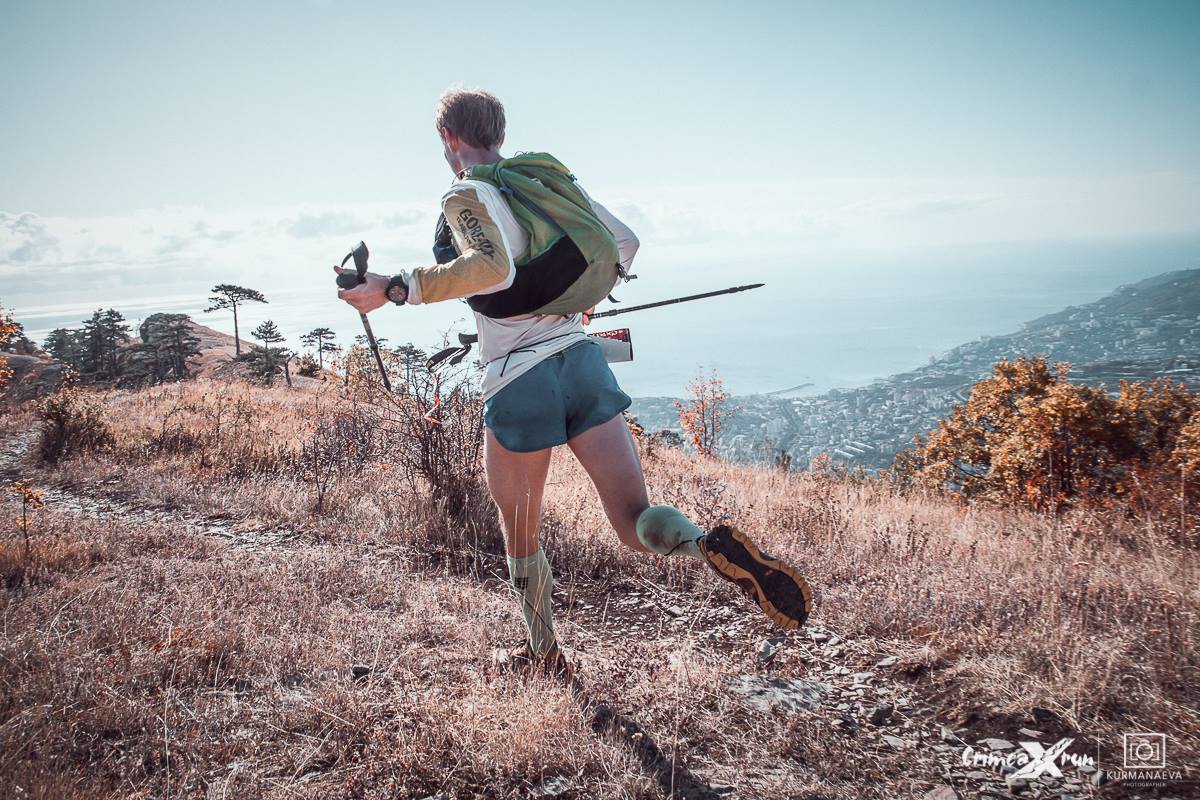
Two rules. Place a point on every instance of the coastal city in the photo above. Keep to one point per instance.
(1143, 331)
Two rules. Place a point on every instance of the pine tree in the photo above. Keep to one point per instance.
(229, 296)
(285, 358)
(268, 333)
(64, 345)
(115, 333)
(321, 340)
(413, 359)
(102, 337)
(168, 341)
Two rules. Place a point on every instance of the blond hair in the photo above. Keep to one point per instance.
(473, 115)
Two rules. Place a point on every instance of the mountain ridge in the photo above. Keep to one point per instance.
(1139, 331)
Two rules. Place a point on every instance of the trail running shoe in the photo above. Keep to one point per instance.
(521, 660)
(777, 587)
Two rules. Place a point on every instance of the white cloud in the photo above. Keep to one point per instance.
(160, 249)
(899, 213)
(24, 238)
(176, 249)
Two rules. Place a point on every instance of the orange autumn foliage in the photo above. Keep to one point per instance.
(704, 413)
(7, 328)
(1026, 436)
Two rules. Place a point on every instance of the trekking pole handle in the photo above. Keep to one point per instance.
(348, 280)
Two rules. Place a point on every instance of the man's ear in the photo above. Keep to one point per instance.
(451, 141)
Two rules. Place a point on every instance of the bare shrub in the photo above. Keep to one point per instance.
(431, 426)
(71, 423)
(343, 443)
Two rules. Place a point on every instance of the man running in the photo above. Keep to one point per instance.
(547, 384)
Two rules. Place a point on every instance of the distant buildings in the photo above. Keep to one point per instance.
(1139, 332)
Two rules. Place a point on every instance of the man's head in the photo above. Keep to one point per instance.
(469, 119)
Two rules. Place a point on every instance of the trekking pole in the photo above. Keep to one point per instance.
(348, 280)
(731, 290)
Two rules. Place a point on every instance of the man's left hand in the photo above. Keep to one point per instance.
(367, 296)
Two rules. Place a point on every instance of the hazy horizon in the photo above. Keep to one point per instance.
(835, 331)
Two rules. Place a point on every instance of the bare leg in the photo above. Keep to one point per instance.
(516, 482)
(610, 457)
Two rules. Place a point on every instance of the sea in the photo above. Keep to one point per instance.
(821, 321)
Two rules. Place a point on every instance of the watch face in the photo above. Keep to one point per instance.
(397, 294)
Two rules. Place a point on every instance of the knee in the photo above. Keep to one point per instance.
(655, 527)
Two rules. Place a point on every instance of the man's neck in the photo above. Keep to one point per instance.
(470, 156)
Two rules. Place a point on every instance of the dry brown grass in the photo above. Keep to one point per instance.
(137, 657)
(1016, 609)
(180, 665)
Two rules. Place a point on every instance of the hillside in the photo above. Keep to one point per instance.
(1140, 332)
(189, 623)
(36, 374)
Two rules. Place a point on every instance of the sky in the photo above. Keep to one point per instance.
(151, 150)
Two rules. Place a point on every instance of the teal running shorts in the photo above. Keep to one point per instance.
(560, 398)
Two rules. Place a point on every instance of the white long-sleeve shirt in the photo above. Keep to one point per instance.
(489, 241)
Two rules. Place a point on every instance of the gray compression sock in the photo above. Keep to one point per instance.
(666, 531)
(533, 583)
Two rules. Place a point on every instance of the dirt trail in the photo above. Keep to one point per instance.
(96, 502)
(856, 687)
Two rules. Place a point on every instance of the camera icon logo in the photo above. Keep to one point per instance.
(1145, 750)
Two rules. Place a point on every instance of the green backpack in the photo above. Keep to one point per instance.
(572, 262)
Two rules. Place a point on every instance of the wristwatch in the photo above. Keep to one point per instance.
(397, 289)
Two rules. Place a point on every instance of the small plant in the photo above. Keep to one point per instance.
(308, 367)
(342, 443)
(7, 329)
(705, 413)
(31, 500)
(70, 424)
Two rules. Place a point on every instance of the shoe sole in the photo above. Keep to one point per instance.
(778, 589)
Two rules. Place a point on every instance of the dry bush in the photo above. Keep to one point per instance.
(72, 422)
(343, 442)
(432, 423)
(1028, 437)
(705, 412)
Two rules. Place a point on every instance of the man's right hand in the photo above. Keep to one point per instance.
(367, 296)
